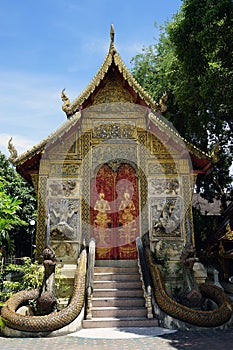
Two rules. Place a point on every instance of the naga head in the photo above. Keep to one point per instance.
(49, 254)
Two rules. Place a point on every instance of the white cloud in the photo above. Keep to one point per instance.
(30, 107)
(20, 142)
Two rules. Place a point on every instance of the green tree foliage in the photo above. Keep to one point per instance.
(8, 217)
(202, 38)
(19, 191)
(192, 62)
(202, 41)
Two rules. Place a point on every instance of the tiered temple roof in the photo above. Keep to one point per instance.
(113, 68)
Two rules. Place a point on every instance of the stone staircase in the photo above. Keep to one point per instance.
(118, 299)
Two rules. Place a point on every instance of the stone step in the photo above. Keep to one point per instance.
(111, 301)
(113, 292)
(112, 276)
(109, 322)
(100, 312)
(116, 284)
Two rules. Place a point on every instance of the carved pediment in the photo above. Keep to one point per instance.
(113, 91)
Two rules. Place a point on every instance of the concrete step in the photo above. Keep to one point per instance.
(117, 284)
(108, 322)
(137, 301)
(113, 292)
(112, 269)
(116, 263)
(112, 276)
(112, 311)
(118, 299)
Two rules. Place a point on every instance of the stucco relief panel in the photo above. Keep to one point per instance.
(64, 217)
(165, 215)
(65, 169)
(64, 188)
(163, 187)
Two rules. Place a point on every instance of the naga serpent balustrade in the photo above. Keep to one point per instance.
(213, 318)
(55, 320)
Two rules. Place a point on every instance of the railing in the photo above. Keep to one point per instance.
(90, 278)
(145, 277)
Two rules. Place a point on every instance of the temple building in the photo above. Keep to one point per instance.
(115, 170)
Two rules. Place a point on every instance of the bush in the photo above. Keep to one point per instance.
(14, 278)
(28, 275)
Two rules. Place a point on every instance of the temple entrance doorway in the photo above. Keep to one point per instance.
(115, 211)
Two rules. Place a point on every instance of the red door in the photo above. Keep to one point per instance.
(114, 212)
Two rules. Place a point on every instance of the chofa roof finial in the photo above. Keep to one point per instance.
(66, 101)
(112, 34)
(12, 150)
(215, 152)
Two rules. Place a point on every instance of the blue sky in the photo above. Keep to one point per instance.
(49, 45)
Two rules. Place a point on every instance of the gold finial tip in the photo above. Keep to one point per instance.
(112, 33)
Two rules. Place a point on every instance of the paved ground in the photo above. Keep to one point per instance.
(125, 338)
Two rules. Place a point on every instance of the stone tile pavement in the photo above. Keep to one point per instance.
(127, 339)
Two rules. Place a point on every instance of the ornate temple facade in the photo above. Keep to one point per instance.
(115, 170)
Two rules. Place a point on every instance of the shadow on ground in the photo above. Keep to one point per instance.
(200, 340)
